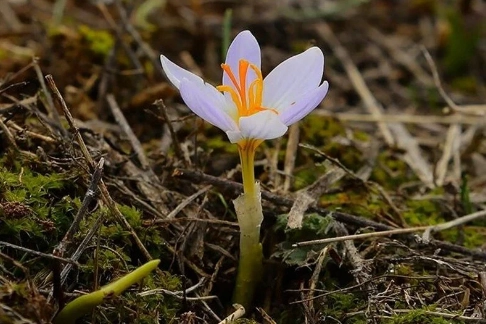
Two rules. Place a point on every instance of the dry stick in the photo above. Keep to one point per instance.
(453, 223)
(392, 46)
(59, 276)
(9, 17)
(274, 174)
(146, 49)
(362, 236)
(453, 135)
(9, 136)
(125, 127)
(314, 279)
(177, 146)
(147, 183)
(450, 146)
(105, 195)
(11, 86)
(291, 154)
(6, 108)
(40, 254)
(80, 249)
(413, 156)
(50, 107)
(44, 138)
(438, 84)
(90, 195)
(190, 219)
(408, 119)
(119, 34)
(230, 186)
(187, 201)
(239, 312)
(361, 272)
(307, 196)
(173, 293)
(70, 120)
(370, 102)
(15, 75)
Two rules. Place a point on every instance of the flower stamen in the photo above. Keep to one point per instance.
(249, 103)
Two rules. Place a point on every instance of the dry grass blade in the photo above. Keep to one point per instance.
(326, 34)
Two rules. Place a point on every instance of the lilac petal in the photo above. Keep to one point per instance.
(175, 73)
(244, 46)
(293, 78)
(208, 103)
(263, 125)
(303, 105)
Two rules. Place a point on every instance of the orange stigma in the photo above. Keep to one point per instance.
(249, 103)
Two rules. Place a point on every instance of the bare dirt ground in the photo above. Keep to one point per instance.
(103, 167)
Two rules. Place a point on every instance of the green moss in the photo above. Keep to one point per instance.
(220, 143)
(338, 305)
(361, 136)
(306, 176)
(99, 41)
(465, 84)
(32, 209)
(390, 171)
(244, 321)
(420, 316)
(422, 212)
(317, 130)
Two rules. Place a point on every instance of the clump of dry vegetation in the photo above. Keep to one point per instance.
(102, 167)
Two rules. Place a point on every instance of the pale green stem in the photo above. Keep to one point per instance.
(248, 209)
(84, 304)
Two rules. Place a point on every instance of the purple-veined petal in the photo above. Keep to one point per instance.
(244, 46)
(175, 73)
(293, 78)
(262, 125)
(208, 103)
(303, 105)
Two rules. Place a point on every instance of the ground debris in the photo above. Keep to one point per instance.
(102, 166)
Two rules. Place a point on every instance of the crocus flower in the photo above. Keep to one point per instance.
(247, 107)
(251, 109)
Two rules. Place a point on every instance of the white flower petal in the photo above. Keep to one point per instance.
(262, 125)
(303, 105)
(234, 136)
(175, 73)
(208, 103)
(244, 46)
(293, 78)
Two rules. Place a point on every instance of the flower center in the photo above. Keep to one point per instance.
(248, 100)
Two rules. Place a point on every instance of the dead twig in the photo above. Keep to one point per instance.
(238, 313)
(290, 155)
(40, 254)
(177, 145)
(408, 119)
(451, 146)
(237, 188)
(127, 130)
(103, 190)
(453, 223)
(326, 34)
(362, 236)
(89, 197)
(309, 195)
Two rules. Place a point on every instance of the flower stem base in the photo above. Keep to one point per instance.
(248, 208)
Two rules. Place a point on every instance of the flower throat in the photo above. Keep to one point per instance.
(248, 100)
